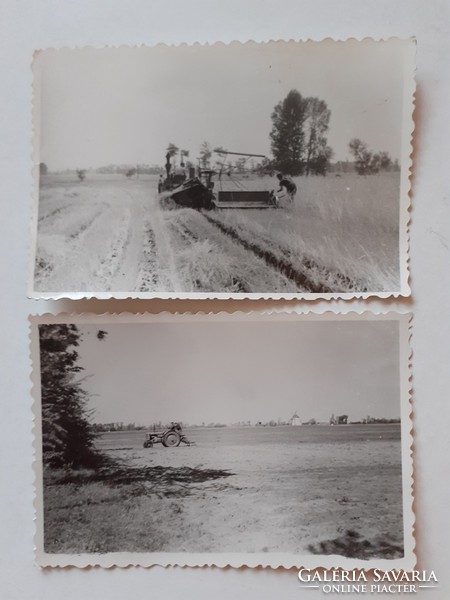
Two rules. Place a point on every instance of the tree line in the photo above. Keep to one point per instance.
(368, 162)
(299, 143)
(299, 140)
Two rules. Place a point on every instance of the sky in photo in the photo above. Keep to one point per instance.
(228, 372)
(123, 106)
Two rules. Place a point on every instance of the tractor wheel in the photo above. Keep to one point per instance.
(171, 439)
(148, 444)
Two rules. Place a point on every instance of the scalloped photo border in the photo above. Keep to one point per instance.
(285, 560)
(407, 131)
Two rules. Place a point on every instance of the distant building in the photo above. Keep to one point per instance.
(295, 419)
(340, 420)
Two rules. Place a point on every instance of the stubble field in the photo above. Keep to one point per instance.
(110, 234)
(310, 489)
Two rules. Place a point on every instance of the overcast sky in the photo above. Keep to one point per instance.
(227, 372)
(125, 105)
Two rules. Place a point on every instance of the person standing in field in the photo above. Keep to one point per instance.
(286, 182)
(160, 183)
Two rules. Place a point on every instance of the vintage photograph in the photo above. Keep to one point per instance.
(280, 439)
(256, 170)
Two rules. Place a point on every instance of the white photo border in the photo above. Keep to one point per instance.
(407, 127)
(236, 560)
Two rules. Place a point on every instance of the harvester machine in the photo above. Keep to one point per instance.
(235, 193)
(244, 199)
(212, 189)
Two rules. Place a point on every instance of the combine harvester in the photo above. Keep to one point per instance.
(199, 191)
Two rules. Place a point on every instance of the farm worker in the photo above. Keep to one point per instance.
(168, 165)
(287, 183)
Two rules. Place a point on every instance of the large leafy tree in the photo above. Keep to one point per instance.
(317, 153)
(67, 434)
(362, 156)
(288, 135)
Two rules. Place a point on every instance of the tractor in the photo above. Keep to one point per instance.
(170, 437)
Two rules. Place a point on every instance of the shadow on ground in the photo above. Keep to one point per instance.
(353, 545)
(169, 480)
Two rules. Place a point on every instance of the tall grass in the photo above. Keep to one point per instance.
(346, 224)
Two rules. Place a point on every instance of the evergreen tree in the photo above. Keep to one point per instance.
(67, 435)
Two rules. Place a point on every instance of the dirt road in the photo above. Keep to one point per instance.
(114, 236)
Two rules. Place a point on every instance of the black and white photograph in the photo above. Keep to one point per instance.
(256, 170)
(244, 439)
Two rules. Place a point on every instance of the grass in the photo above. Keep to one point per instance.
(235, 491)
(208, 260)
(347, 225)
(117, 508)
(108, 233)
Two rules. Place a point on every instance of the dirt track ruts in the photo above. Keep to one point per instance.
(187, 234)
(273, 261)
(294, 274)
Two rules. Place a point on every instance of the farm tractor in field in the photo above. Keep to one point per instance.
(198, 191)
(170, 437)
